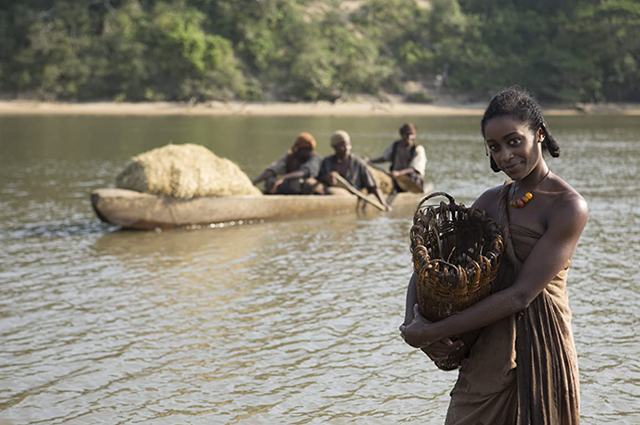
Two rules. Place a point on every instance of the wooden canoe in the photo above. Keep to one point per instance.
(135, 210)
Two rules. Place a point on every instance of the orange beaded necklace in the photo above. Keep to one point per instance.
(522, 202)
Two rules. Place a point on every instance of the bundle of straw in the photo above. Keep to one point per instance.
(456, 254)
(184, 171)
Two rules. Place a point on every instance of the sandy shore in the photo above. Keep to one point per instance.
(19, 107)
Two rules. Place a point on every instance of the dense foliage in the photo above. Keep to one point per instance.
(562, 50)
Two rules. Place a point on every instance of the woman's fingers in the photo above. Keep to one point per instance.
(441, 350)
(436, 357)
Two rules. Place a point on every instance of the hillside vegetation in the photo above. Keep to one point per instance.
(295, 50)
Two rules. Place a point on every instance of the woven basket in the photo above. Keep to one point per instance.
(456, 253)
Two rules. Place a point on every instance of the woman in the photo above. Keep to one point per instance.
(295, 173)
(523, 369)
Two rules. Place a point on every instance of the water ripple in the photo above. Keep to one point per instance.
(283, 322)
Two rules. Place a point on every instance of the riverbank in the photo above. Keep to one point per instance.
(21, 107)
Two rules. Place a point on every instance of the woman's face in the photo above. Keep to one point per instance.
(513, 145)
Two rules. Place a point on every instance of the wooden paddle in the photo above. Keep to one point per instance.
(407, 186)
(343, 183)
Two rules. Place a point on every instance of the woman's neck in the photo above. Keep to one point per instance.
(534, 178)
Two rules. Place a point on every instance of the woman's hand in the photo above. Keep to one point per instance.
(441, 350)
(416, 333)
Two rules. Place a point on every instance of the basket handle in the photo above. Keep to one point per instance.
(433, 195)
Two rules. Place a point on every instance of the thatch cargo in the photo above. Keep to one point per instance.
(184, 171)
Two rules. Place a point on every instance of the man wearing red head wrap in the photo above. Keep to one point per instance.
(296, 171)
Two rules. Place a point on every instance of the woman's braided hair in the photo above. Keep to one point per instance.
(519, 104)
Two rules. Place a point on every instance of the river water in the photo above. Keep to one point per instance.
(280, 322)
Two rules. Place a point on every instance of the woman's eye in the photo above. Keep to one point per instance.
(514, 142)
(493, 147)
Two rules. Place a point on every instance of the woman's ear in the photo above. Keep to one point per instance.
(541, 135)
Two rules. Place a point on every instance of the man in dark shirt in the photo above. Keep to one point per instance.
(352, 168)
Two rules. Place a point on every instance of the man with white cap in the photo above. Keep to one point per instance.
(351, 168)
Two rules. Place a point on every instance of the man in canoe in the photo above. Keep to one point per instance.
(295, 173)
(408, 161)
(343, 171)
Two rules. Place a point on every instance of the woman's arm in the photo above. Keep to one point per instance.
(439, 350)
(412, 299)
(548, 257)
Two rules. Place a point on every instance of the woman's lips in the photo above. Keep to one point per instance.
(511, 167)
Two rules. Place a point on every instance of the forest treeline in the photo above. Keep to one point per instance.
(135, 50)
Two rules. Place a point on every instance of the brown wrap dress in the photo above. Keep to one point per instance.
(523, 369)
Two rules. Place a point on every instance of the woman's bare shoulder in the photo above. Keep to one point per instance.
(488, 201)
(569, 206)
(567, 194)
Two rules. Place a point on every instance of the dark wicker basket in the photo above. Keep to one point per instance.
(456, 253)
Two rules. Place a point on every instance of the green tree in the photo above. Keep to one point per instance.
(57, 61)
(609, 40)
(566, 50)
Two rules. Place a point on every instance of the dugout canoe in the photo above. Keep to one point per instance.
(135, 210)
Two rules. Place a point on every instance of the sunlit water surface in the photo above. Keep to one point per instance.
(281, 322)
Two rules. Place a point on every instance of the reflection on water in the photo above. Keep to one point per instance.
(56, 230)
(280, 322)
